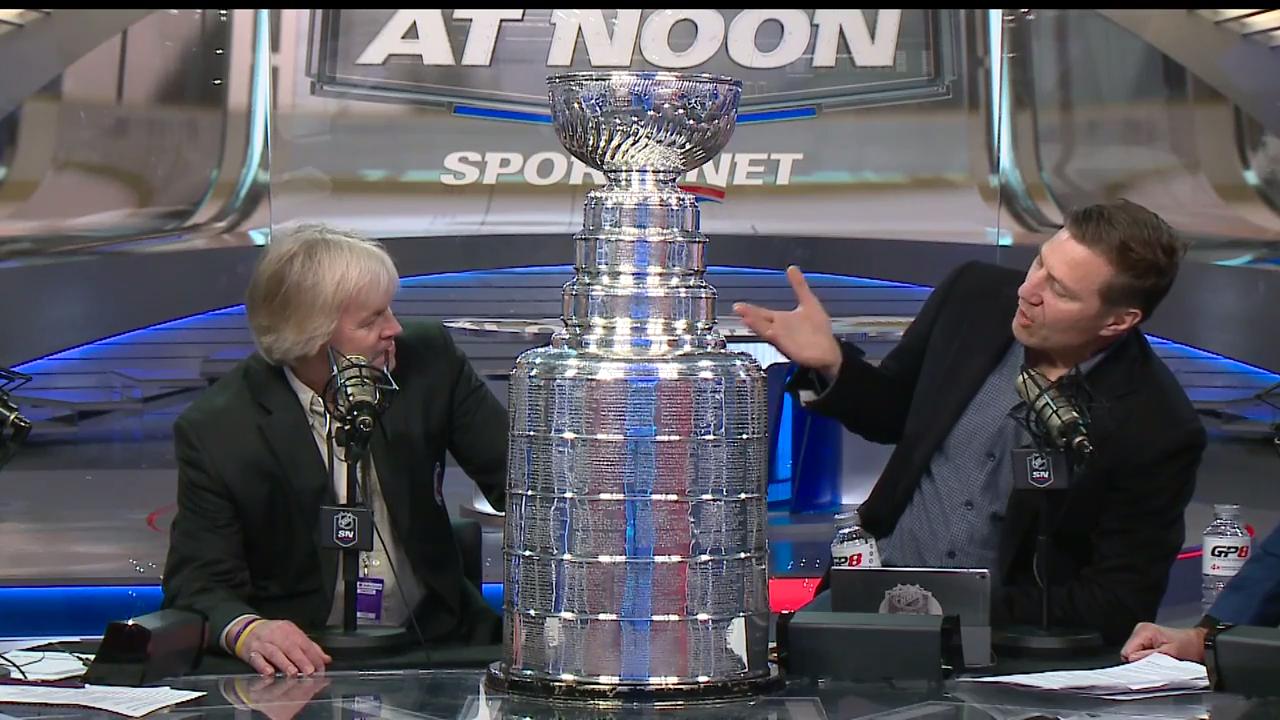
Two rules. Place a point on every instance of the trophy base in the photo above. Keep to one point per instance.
(362, 641)
(1036, 642)
(498, 680)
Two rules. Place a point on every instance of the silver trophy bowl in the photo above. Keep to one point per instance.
(634, 548)
(653, 122)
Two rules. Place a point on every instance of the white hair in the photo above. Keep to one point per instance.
(305, 277)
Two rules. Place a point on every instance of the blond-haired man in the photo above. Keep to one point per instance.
(254, 463)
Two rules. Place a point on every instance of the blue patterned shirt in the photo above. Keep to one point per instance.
(954, 518)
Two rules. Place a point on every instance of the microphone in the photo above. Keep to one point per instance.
(358, 393)
(11, 419)
(1059, 426)
(361, 392)
(14, 428)
(1057, 418)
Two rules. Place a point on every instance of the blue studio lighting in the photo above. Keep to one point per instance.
(86, 610)
(72, 610)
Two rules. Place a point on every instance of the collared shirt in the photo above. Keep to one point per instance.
(954, 518)
(956, 515)
(395, 609)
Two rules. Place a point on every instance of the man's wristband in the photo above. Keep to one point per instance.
(241, 634)
(1207, 622)
(1212, 626)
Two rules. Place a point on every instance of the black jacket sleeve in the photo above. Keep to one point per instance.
(873, 401)
(477, 428)
(206, 569)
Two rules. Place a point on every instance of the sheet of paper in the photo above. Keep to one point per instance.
(27, 643)
(133, 702)
(1151, 694)
(1154, 672)
(39, 665)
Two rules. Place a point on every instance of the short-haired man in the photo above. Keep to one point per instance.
(255, 458)
(944, 394)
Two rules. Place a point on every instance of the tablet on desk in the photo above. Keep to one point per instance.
(964, 592)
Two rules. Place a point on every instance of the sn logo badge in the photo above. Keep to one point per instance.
(344, 529)
(1039, 470)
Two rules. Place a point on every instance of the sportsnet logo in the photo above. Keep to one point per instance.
(709, 182)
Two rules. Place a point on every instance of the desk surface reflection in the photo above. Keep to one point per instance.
(460, 695)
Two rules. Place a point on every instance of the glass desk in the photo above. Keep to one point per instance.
(460, 695)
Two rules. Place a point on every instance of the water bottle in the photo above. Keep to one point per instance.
(1226, 547)
(853, 546)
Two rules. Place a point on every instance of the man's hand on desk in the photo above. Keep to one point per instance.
(273, 646)
(803, 335)
(1148, 638)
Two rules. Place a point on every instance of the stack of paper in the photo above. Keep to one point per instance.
(134, 702)
(1151, 676)
(39, 665)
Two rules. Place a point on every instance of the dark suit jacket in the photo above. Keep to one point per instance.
(1252, 597)
(251, 481)
(1116, 532)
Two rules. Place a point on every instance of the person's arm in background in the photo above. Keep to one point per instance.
(1252, 597)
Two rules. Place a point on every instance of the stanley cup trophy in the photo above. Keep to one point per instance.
(635, 528)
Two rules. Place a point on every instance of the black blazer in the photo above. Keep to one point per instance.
(1116, 532)
(251, 481)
